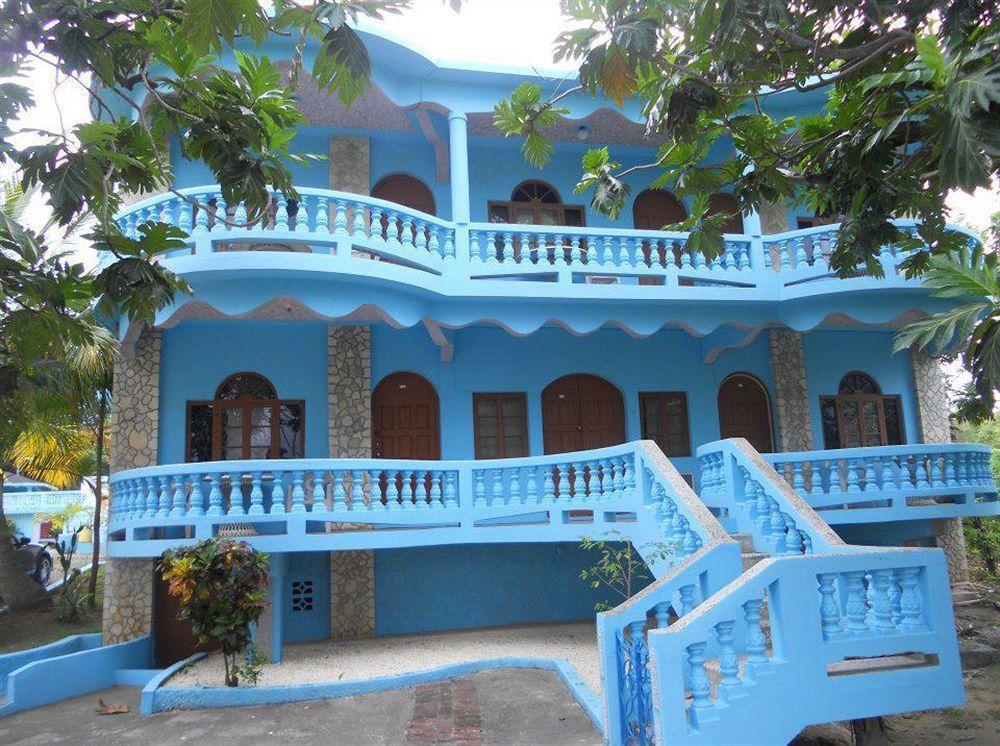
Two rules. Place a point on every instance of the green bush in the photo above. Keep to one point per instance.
(221, 586)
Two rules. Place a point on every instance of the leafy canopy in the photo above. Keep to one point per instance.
(910, 97)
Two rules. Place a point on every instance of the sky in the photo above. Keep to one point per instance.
(484, 31)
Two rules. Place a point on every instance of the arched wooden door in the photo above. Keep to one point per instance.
(655, 208)
(745, 411)
(405, 420)
(405, 190)
(580, 412)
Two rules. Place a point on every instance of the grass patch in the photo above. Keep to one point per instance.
(29, 629)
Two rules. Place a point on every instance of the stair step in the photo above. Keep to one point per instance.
(752, 558)
(746, 542)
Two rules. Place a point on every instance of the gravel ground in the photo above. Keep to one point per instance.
(317, 662)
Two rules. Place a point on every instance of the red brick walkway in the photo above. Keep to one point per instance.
(446, 712)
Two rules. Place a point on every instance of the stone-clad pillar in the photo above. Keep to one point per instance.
(349, 386)
(791, 398)
(135, 421)
(931, 393)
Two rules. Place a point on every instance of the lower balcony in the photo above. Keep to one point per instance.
(327, 504)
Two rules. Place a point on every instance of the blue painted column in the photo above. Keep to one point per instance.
(458, 153)
(276, 578)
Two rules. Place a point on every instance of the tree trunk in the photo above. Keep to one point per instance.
(99, 460)
(19, 591)
(870, 732)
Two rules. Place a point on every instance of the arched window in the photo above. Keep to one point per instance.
(535, 203)
(655, 208)
(245, 420)
(726, 204)
(860, 414)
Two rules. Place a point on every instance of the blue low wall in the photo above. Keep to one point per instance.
(158, 698)
(52, 678)
(10, 662)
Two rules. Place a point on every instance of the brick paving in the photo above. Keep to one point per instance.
(446, 713)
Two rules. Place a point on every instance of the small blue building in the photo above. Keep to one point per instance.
(427, 377)
(27, 502)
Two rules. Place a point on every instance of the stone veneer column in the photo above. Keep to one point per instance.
(352, 574)
(135, 421)
(790, 393)
(931, 392)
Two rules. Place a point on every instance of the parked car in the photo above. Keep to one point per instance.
(34, 558)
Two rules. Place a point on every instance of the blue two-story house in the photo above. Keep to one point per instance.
(426, 378)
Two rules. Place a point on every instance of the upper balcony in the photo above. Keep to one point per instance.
(412, 267)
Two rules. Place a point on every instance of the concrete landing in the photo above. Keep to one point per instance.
(324, 661)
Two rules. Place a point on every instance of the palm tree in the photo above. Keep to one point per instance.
(971, 330)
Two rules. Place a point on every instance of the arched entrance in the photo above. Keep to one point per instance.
(580, 412)
(405, 190)
(405, 420)
(745, 411)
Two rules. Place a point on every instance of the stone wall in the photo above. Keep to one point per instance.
(128, 599)
(931, 392)
(791, 398)
(349, 386)
(128, 583)
(135, 418)
(350, 164)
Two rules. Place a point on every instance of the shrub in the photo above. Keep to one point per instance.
(221, 586)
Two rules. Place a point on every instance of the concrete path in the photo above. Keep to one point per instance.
(508, 707)
(321, 661)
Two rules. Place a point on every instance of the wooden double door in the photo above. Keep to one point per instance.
(580, 412)
(405, 419)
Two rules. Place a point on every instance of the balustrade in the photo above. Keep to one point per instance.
(354, 226)
(899, 481)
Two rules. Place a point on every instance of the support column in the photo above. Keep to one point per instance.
(791, 397)
(349, 386)
(276, 601)
(135, 421)
(931, 393)
(458, 153)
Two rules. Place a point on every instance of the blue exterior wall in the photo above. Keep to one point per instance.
(197, 356)
(491, 360)
(303, 623)
(457, 587)
(829, 355)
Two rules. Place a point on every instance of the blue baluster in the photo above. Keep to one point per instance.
(277, 494)
(235, 495)
(855, 602)
(178, 505)
(701, 688)
(450, 492)
(829, 606)
(479, 491)
(407, 495)
(256, 495)
(214, 496)
(756, 640)
(339, 492)
(436, 492)
(357, 489)
(729, 662)
(531, 487)
(420, 490)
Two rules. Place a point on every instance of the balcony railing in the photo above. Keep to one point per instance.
(890, 483)
(654, 263)
(291, 505)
